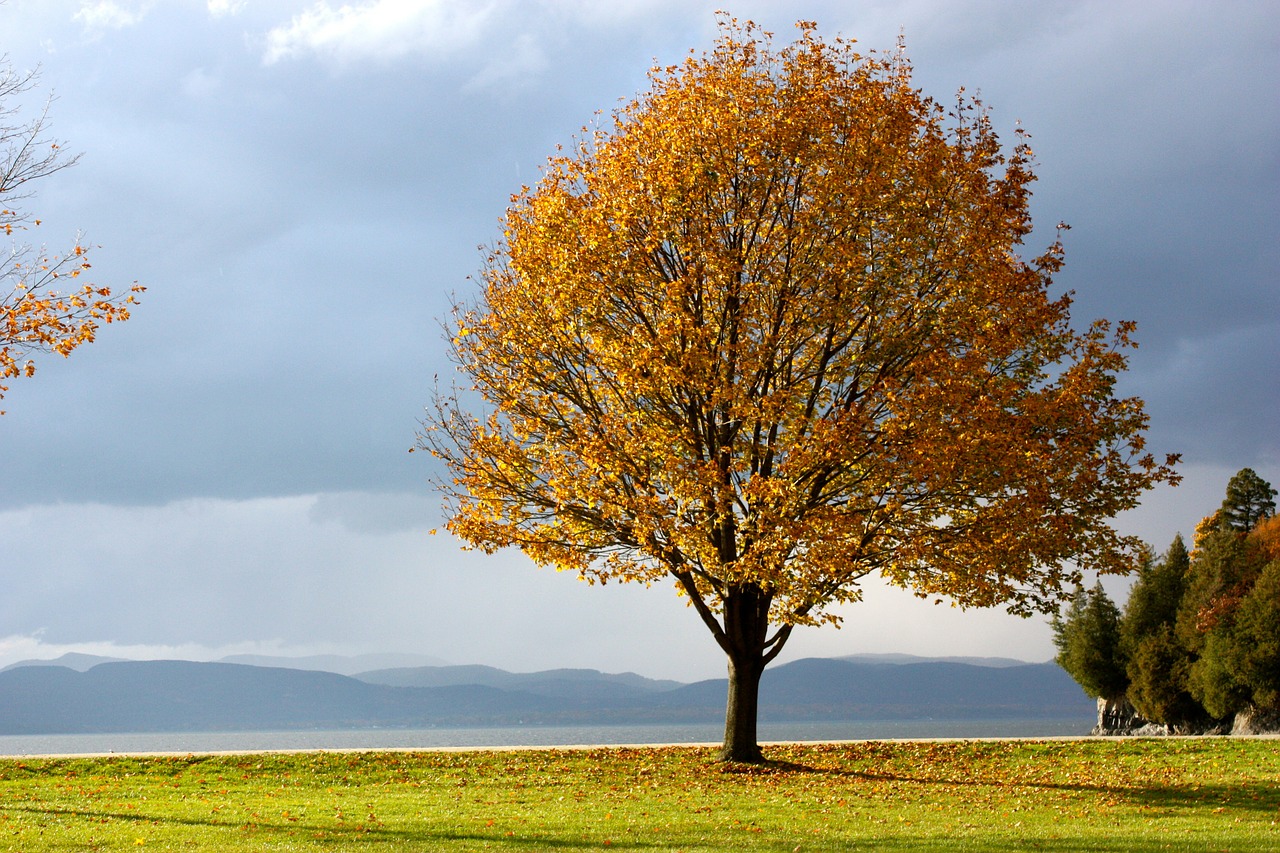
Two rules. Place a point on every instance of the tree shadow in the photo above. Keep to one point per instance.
(348, 835)
(1253, 796)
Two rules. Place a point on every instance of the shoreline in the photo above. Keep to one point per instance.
(582, 747)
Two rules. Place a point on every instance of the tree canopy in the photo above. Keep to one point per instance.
(1157, 665)
(1199, 641)
(1249, 500)
(45, 306)
(1229, 619)
(768, 333)
(1088, 641)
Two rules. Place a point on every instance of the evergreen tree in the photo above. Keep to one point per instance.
(1154, 599)
(1088, 641)
(1157, 665)
(1256, 656)
(1232, 642)
(1250, 499)
(1214, 681)
(1221, 574)
(1159, 670)
(1200, 637)
(1239, 665)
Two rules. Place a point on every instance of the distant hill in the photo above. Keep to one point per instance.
(135, 696)
(815, 687)
(71, 660)
(341, 664)
(547, 682)
(901, 658)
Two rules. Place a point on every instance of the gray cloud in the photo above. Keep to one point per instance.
(302, 223)
(349, 572)
(376, 513)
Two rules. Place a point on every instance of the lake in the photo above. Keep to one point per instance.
(515, 736)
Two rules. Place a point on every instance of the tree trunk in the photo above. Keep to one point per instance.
(1117, 716)
(742, 710)
(743, 633)
(745, 642)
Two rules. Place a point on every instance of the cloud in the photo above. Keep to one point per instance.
(376, 512)
(1211, 385)
(379, 30)
(200, 83)
(108, 15)
(521, 63)
(356, 572)
(593, 14)
(300, 231)
(221, 8)
(24, 647)
(316, 573)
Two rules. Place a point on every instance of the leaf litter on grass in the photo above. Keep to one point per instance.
(1056, 795)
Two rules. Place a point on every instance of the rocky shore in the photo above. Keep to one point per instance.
(1118, 718)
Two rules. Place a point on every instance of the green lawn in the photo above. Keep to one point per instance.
(1119, 795)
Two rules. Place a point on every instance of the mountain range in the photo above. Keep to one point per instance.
(164, 696)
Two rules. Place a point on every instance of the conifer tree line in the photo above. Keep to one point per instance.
(1197, 646)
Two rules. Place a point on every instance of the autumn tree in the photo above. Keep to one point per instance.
(1255, 657)
(768, 334)
(1200, 634)
(1230, 615)
(45, 306)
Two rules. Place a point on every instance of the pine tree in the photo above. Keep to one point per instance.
(1199, 641)
(1220, 575)
(1159, 670)
(1250, 499)
(1239, 665)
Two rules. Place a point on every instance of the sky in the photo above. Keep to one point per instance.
(303, 186)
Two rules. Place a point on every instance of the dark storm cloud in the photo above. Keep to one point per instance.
(301, 198)
(302, 186)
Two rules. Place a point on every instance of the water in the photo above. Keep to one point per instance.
(515, 736)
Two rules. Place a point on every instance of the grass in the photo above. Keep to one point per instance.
(1114, 795)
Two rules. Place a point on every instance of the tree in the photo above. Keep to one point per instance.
(1200, 636)
(1159, 670)
(1227, 619)
(1249, 500)
(769, 335)
(37, 315)
(1157, 665)
(1256, 655)
(1157, 592)
(1230, 615)
(1225, 564)
(1088, 641)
